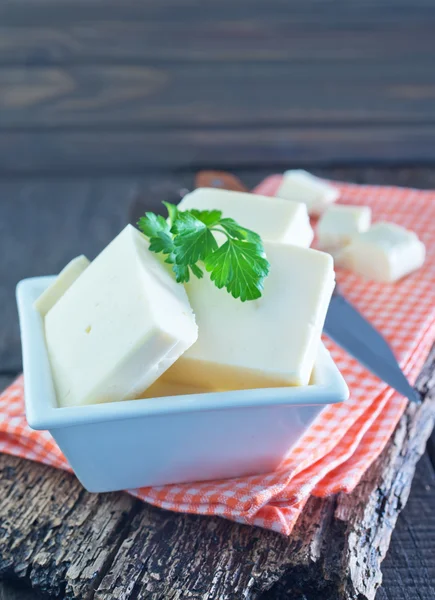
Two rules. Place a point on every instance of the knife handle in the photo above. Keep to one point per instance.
(219, 179)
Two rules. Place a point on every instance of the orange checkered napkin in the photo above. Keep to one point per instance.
(345, 439)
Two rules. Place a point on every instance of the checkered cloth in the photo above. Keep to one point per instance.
(345, 439)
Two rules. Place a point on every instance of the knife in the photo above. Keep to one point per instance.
(344, 324)
(347, 327)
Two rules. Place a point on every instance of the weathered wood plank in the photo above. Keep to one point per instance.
(229, 94)
(52, 532)
(48, 522)
(126, 152)
(409, 567)
(46, 31)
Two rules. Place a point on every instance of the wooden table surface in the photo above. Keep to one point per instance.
(101, 102)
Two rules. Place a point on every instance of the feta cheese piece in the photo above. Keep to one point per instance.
(339, 223)
(301, 186)
(386, 252)
(121, 324)
(269, 342)
(274, 219)
(63, 281)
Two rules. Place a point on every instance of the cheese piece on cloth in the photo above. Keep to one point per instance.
(274, 219)
(385, 253)
(121, 324)
(300, 186)
(339, 224)
(269, 342)
(63, 281)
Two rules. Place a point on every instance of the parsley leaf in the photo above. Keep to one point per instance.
(193, 239)
(208, 217)
(186, 238)
(151, 224)
(162, 242)
(239, 232)
(182, 272)
(239, 267)
(172, 212)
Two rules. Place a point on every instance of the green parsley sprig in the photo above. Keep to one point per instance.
(187, 238)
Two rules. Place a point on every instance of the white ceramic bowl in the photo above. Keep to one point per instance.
(168, 439)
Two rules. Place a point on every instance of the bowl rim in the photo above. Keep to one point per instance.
(40, 399)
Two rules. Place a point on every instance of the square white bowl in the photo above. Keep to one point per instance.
(170, 439)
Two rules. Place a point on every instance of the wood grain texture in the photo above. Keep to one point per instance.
(409, 567)
(188, 84)
(233, 94)
(50, 31)
(62, 540)
(108, 153)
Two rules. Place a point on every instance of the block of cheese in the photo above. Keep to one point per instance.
(269, 342)
(386, 252)
(162, 387)
(339, 223)
(119, 326)
(63, 281)
(274, 219)
(301, 186)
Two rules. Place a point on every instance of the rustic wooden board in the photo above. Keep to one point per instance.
(120, 152)
(409, 567)
(65, 541)
(64, 31)
(191, 84)
(229, 94)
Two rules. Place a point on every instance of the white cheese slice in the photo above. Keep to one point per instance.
(339, 224)
(269, 342)
(386, 252)
(121, 324)
(274, 219)
(63, 281)
(300, 186)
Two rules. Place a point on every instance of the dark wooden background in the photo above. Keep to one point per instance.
(102, 102)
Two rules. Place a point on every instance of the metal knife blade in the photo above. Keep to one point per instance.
(346, 326)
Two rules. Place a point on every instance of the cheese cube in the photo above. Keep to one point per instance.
(340, 223)
(269, 342)
(386, 252)
(120, 325)
(274, 219)
(301, 186)
(63, 281)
